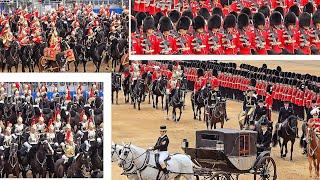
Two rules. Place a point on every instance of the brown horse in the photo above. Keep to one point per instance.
(214, 114)
(313, 150)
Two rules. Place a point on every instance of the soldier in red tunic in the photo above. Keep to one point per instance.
(269, 101)
(260, 36)
(135, 40)
(149, 41)
(275, 32)
(288, 39)
(244, 35)
(200, 37)
(215, 36)
(183, 39)
(168, 44)
(200, 83)
(229, 35)
(315, 33)
(303, 34)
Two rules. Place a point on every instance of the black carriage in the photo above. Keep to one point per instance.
(227, 153)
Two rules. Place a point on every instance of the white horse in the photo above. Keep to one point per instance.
(179, 165)
(130, 172)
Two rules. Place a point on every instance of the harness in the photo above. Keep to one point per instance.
(41, 163)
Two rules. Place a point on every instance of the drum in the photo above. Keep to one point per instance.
(50, 54)
(70, 55)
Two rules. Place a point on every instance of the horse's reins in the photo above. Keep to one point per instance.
(44, 161)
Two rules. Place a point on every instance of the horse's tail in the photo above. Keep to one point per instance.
(275, 139)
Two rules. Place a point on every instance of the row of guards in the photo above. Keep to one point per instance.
(63, 87)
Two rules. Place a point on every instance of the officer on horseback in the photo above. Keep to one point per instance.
(200, 83)
(91, 133)
(162, 148)
(51, 136)
(69, 152)
(284, 113)
(7, 140)
(260, 111)
(19, 128)
(41, 126)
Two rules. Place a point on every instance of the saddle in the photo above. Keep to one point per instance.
(157, 161)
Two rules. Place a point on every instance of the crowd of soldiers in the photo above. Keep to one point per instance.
(29, 128)
(225, 27)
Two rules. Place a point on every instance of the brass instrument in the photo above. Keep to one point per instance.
(261, 43)
(214, 42)
(303, 39)
(164, 45)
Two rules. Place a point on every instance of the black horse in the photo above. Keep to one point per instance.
(287, 132)
(12, 56)
(126, 89)
(176, 101)
(2, 163)
(38, 158)
(116, 85)
(159, 90)
(137, 93)
(26, 53)
(198, 101)
(97, 52)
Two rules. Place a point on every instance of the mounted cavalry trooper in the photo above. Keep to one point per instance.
(200, 83)
(135, 74)
(260, 111)
(314, 122)
(68, 133)
(41, 126)
(91, 133)
(162, 148)
(69, 151)
(51, 136)
(156, 76)
(19, 128)
(7, 140)
(57, 123)
(84, 123)
(7, 36)
(284, 113)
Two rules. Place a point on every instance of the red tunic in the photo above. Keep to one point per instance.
(199, 83)
(151, 43)
(215, 48)
(305, 43)
(135, 44)
(202, 39)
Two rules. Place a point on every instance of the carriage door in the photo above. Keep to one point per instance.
(244, 145)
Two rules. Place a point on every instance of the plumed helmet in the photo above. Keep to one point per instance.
(290, 19)
(148, 23)
(165, 24)
(183, 23)
(133, 25)
(304, 20)
(258, 19)
(200, 72)
(316, 17)
(276, 19)
(230, 21)
(198, 22)
(174, 16)
(214, 22)
(295, 9)
(309, 8)
(243, 20)
(187, 13)
(140, 17)
(204, 13)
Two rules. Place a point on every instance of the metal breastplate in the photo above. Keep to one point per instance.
(57, 126)
(7, 141)
(41, 127)
(18, 129)
(91, 135)
(50, 137)
(33, 139)
(69, 151)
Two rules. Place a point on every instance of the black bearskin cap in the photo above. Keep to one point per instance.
(280, 10)
(200, 72)
(276, 18)
(229, 22)
(148, 23)
(214, 72)
(217, 11)
(214, 22)
(243, 20)
(133, 25)
(265, 10)
(258, 19)
(198, 22)
(157, 18)
(316, 17)
(304, 20)
(290, 19)
(140, 17)
(247, 11)
(174, 16)
(188, 13)
(183, 23)
(309, 8)
(295, 9)
(204, 13)
(165, 24)
(253, 82)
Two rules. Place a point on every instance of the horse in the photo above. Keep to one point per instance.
(159, 89)
(179, 165)
(184, 88)
(287, 132)
(131, 171)
(12, 56)
(313, 150)
(215, 112)
(149, 86)
(176, 101)
(2, 162)
(117, 50)
(97, 156)
(116, 85)
(26, 58)
(198, 101)
(12, 164)
(37, 54)
(79, 53)
(97, 52)
(126, 89)
(38, 158)
(137, 93)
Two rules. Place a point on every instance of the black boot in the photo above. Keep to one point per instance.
(165, 170)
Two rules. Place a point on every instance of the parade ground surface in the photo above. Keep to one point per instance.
(142, 127)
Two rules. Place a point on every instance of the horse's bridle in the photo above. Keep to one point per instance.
(290, 128)
(43, 162)
(132, 164)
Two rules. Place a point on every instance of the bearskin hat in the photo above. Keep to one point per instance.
(309, 8)
(253, 82)
(234, 13)
(316, 17)
(226, 2)
(165, 24)
(214, 22)
(204, 13)
(280, 10)
(279, 68)
(170, 67)
(290, 19)
(215, 72)
(183, 23)
(229, 21)
(243, 20)
(265, 10)
(264, 66)
(148, 23)
(174, 16)
(247, 11)
(217, 11)
(198, 22)
(133, 25)
(157, 18)
(200, 72)
(304, 20)
(276, 18)
(295, 9)
(258, 19)
(188, 13)
(140, 17)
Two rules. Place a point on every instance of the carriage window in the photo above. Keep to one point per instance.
(211, 137)
(244, 143)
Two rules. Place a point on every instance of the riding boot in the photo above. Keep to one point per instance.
(165, 170)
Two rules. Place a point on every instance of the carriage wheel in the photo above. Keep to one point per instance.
(220, 176)
(266, 169)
